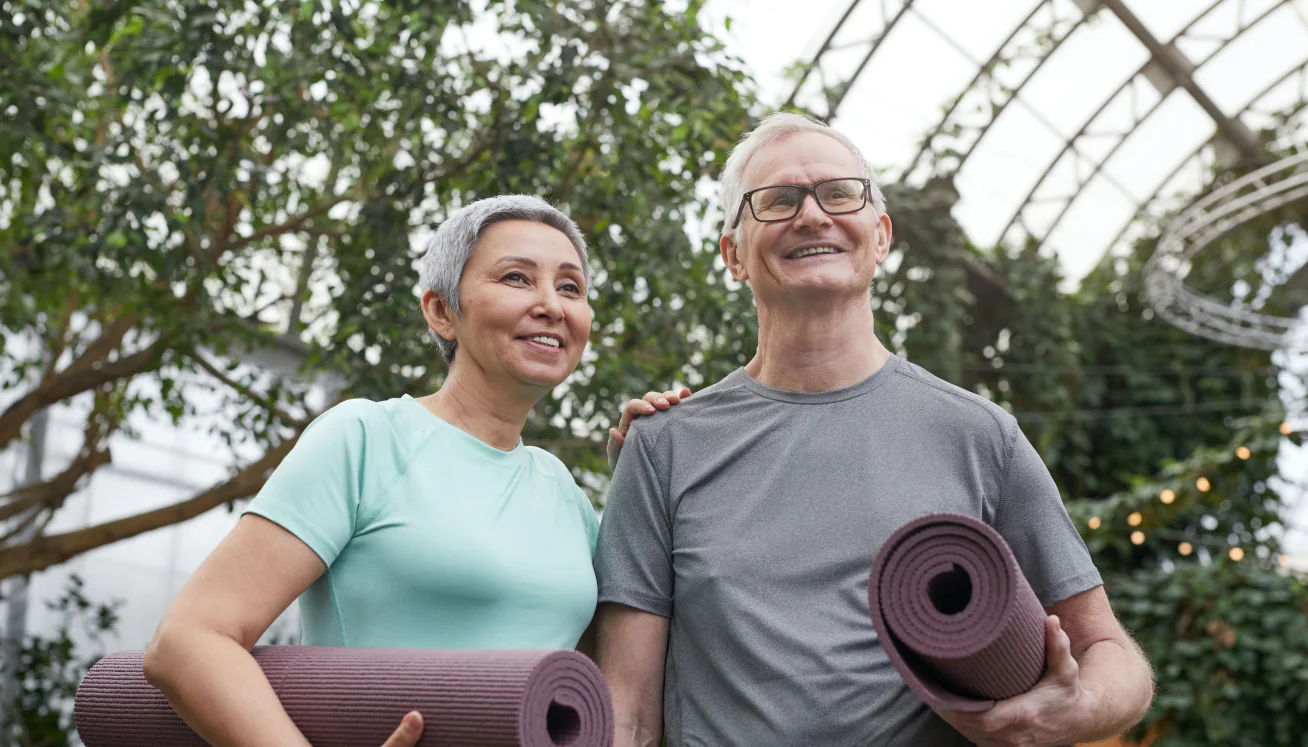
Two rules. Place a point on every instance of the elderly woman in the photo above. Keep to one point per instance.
(422, 523)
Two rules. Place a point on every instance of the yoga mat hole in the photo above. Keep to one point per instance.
(563, 724)
(950, 591)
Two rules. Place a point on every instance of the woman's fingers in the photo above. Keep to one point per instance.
(408, 732)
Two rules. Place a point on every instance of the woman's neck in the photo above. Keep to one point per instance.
(470, 402)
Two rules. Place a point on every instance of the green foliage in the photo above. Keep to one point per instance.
(1229, 643)
(50, 668)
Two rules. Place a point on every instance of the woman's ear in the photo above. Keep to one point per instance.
(439, 315)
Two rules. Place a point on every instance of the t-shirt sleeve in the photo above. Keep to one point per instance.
(1032, 519)
(633, 560)
(317, 490)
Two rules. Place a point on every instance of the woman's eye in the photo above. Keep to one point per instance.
(570, 288)
(516, 277)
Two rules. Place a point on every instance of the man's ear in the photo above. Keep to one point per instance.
(885, 234)
(731, 258)
(439, 315)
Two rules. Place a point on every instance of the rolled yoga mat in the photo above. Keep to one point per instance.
(355, 697)
(955, 614)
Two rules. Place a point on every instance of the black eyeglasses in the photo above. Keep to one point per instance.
(782, 201)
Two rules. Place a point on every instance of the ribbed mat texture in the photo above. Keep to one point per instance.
(355, 697)
(955, 614)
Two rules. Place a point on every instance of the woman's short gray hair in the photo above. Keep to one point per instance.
(441, 266)
(773, 128)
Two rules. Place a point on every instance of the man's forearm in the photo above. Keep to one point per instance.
(1121, 682)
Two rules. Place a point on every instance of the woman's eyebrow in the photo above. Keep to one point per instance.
(528, 262)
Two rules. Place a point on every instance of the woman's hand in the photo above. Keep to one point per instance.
(408, 732)
(647, 405)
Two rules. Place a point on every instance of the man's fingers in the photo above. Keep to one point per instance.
(617, 436)
(657, 399)
(1058, 658)
(408, 732)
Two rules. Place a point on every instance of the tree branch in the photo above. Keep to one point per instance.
(58, 342)
(245, 391)
(43, 552)
(290, 225)
(52, 492)
(72, 381)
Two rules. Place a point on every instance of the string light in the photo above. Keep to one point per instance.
(1242, 452)
(1237, 553)
(1167, 496)
(1137, 537)
(1286, 429)
(1134, 519)
(1185, 548)
(1203, 484)
(1284, 559)
(1094, 522)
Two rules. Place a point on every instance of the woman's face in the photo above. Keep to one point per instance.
(525, 318)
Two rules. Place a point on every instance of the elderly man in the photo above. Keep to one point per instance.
(741, 524)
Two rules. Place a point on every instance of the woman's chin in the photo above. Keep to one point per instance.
(543, 376)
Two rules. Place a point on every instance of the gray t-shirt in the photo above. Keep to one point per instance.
(750, 516)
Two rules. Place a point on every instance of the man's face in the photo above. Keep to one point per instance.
(764, 254)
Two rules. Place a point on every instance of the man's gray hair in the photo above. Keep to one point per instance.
(441, 266)
(773, 128)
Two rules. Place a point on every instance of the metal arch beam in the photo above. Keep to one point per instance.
(1182, 71)
(1302, 105)
(984, 72)
(1070, 144)
(833, 101)
(1198, 226)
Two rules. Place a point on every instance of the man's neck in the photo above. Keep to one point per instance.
(470, 402)
(817, 347)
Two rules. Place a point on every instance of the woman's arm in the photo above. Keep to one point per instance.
(200, 655)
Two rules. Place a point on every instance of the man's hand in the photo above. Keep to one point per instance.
(408, 732)
(647, 405)
(1049, 714)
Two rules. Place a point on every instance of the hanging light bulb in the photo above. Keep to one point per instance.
(1185, 548)
(1134, 519)
(1286, 429)
(1237, 553)
(1094, 522)
(1284, 559)
(1137, 537)
(1203, 484)
(1167, 496)
(1242, 452)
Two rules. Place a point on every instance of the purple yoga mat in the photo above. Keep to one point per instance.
(955, 614)
(355, 697)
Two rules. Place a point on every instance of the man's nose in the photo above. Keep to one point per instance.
(810, 213)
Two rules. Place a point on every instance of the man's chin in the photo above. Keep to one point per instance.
(819, 288)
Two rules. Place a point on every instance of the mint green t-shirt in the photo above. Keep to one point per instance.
(432, 538)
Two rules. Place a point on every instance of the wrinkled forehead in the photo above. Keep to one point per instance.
(801, 158)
